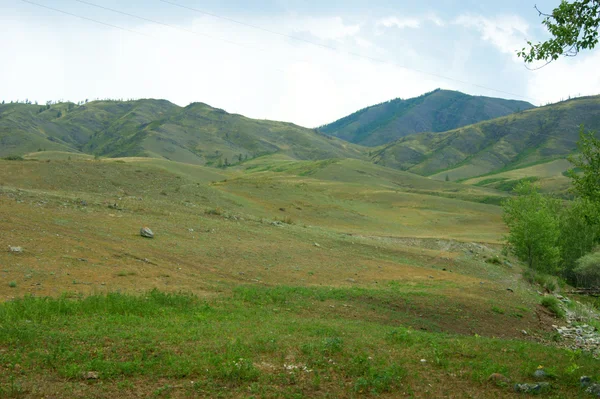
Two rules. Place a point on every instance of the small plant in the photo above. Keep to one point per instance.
(498, 310)
(286, 220)
(494, 260)
(553, 305)
(218, 211)
(12, 284)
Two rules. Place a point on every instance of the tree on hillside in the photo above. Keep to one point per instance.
(534, 228)
(573, 27)
(586, 175)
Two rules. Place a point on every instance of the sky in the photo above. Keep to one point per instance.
(308, 62)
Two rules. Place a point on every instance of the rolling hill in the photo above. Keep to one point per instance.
(438, 111)
(515, 141)
(196, 134)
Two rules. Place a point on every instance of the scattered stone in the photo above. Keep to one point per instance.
(17, 250)
(91, 375)
(580, 337)
(277, 223)
(191, 230)
(532, 388)
(498, 379)
(524, 332)
(317, 245)
(146, 232)
(351, 280)
(423, 361)
(594, 389)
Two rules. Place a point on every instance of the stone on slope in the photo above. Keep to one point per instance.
(146, 232)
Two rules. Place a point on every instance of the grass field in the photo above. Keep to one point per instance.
(275, 278)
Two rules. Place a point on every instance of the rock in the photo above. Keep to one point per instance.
(91, 375)
(540, 374)
(585, 381)
(317, 245)
(498, 379)
(532, 388)
(146, 232)
(594, 389)
(16, 250)
(524, 332)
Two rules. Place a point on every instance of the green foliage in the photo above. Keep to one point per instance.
(553, 305)
(12, 284)
(14, 158)
(546, 281)
(578, 235)
(587, 272)
(586, 181)
(573, 26)
(534, 228)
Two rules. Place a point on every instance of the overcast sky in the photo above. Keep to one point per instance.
(308, 62)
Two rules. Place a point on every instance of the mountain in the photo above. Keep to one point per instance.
(526, 138)
(197, 134)
(438, 111)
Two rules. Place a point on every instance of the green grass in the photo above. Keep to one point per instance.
(553, 305)
(126, 338)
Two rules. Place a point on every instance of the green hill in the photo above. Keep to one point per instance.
(438, 111)
(197, 134)
(523, 139)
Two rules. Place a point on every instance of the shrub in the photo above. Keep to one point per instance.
(12, 284)
(286, 220)
(587, 271)
(14, 158)
(218, 211)
(554, 306)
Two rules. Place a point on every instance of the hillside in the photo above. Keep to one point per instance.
(529, 137)
(367, 281)
(438, 111)
(197, 134)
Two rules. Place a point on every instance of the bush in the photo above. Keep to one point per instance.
(587, 271)
(218, 211)
(548, 283)
(14, 158)
(554, 306)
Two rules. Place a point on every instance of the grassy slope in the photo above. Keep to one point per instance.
(438, 111)
(370, 258)
(196, 134)
(533, 136)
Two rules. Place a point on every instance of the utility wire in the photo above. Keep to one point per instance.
(332, 48)
(85, 18)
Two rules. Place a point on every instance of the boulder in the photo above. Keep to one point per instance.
(146, 232)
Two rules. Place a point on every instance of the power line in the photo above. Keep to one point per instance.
(332, 48)
(85, 18)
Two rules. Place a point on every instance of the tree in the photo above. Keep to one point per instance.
(586, 175)
(534, 228)
(578, 235)
(447, 178)
(573, 27)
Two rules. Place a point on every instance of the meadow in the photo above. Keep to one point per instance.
(273, 278)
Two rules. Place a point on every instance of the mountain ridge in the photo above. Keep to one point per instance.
(436, 111)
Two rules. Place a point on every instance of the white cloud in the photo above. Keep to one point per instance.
(507, 33)
(266, 76)
(401, 23)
